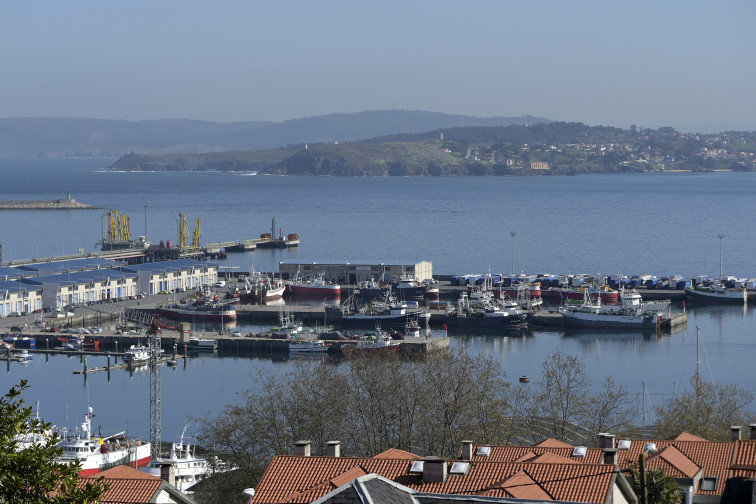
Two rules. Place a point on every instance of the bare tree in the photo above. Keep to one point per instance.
(705, 409)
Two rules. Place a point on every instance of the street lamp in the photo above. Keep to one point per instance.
(512, 234)
(720, 235)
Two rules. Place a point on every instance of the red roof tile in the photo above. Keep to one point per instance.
(393, 453)
(293, 479)
(126, 485)
(553, 443)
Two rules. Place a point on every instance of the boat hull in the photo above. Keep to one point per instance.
(385, 321)
(733, 296)
(220, 315)
(608, 321)
(482, 322)
(316, 292)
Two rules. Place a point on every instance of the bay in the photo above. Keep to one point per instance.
(662, 224)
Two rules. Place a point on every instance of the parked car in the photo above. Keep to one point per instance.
(16, 329)
(95, 330)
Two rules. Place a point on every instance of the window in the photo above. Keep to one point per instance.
(459, 468)
(709, 483)
(417, 467)
(579, 451)
(483, 451)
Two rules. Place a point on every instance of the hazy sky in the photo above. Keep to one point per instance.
(650, 63)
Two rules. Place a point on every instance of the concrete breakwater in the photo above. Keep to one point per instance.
(59, 204)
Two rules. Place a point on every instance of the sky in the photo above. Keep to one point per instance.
(649, 63)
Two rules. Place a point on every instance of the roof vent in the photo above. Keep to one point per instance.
(650, 447)
(579, 451)
(483, 451)
(623, 444)
(417, 467)
(459, 468)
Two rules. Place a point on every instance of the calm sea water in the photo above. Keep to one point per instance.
(655, 223)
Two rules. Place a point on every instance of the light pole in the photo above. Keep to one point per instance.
(720, 235)
(512, 234)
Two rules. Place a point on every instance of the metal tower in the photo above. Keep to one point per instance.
(155, 407)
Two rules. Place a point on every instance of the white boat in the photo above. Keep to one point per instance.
(24, 355)
(631, 313)
(308, 345)
(717, 293)
(98, 454)
(188, 468)
(136, 354)
(202, 344)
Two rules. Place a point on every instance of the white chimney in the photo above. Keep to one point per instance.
(735, 432)
(606, 440)
(610, 456)
(333, 449)
(302, 448)
(753, 430)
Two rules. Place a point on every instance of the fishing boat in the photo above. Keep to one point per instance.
(198, 311)
(188, 468)
(313, 287)
(485, 313)
(631, 313)
(372, 342)
(716, 293)
(604, 293)
(389, 313)
(97, 454)
(305, 345)
(201, 344)
(136, 354)
(407, 287)
(260, 288)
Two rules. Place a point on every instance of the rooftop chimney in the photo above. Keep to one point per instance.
(168, 473)
(302, 448)
(333, 449)
(434, 470)
(610, 456)
(606, 440)
(753, 430)
(466, 450)
(735, 432)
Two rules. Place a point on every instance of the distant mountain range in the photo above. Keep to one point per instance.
(80, 137)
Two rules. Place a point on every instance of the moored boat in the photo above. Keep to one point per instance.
(716, 293)
(313, 287)
(306, 345)
(631, 313)
(200, 344)
(198, 311)
(389, 314)
(97, 454)
(188, 468)
(372, 342)
(136, 354)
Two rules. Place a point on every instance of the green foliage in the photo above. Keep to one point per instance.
(661, 488)
(30, 472)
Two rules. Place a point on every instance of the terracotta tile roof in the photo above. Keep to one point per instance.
(553, 443)
(685, 436)
(522, 453)
(127, 485)
(291, 479)
(393, 453)
(745, 453)
(522, 486)
(674, 462)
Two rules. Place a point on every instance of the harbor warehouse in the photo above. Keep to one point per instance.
(352, 272)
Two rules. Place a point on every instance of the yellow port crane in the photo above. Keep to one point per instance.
(196, 235)
(118, 227)
(182, 230)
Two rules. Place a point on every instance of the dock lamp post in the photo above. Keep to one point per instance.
(720, 236)
(512, 234)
